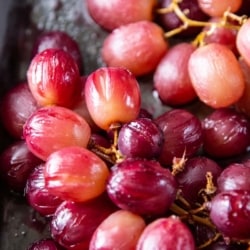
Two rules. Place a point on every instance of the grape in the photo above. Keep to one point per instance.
(192, 11)
(242, 41)
(234, 177)
(216, 8)
(193, 178)
(226, 133)
(230, 212)
(112, 96)
(53, 78)
(52, 128)
(117, 12)
(76, 174)
(57, 39)
(171, 77)
(38, 195)
(16, 107)
(110, 234)
(17, 162)
(73, 224)
(141, 53)
(212, 69)
(243, 104)
(45, 244)
(140, 138)
(166, 233)
(142, 187)
(182, 133)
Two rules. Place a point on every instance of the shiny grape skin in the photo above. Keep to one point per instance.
(193, 178)
(142, 186)
(73, 224)
(166, 233)
(16, 107)
(226, 133)
(17, 162)
(230, 213)
(38, 196)
(234, 177)
(52, 128)
(57, 39)
(140, 138)
(182, 134)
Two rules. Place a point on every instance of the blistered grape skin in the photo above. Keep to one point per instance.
(171, 77)
(234, 177)
(73, 224)
(58, 39)
(118, 12)
(38, 195)
(230, 213)
(76, 174)
(212, 69)
(142, 187)
(165, 232)
(112, 96)
(53, 78)
(140, 138)
(141, 53)
(226, 133)
(54, 127)
(120, 230)
(182, 134)
(16, 107)
(17, 162)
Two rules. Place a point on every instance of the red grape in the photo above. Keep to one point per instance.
(17, 162)
(136, 46)
(166, 233)
(142, 187)
(226, 133)
(52, 128)
(115, 13)
(120, 230)
(213, 68)
(73, 224)
(218, 7)
(57, 39)
(16, 107)
(230, 212)
(112, 96)
(140, 138)
(45, 244)
(54, 78)
(38, 195)
(76, 174)
(182, 134)
(171, 78)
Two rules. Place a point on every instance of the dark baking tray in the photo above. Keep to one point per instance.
(20, 23)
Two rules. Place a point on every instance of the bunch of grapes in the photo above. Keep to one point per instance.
(105, 172)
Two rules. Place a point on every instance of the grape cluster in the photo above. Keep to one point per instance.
(108, 174)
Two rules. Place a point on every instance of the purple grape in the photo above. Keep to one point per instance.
(182, 134)
(45, 244)
(193, 178)
(230, 213)
(17, 162)
(73, 224)
(140, 138)
(226, 133)
(192, 10)
(38, 195)
(142, 186)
